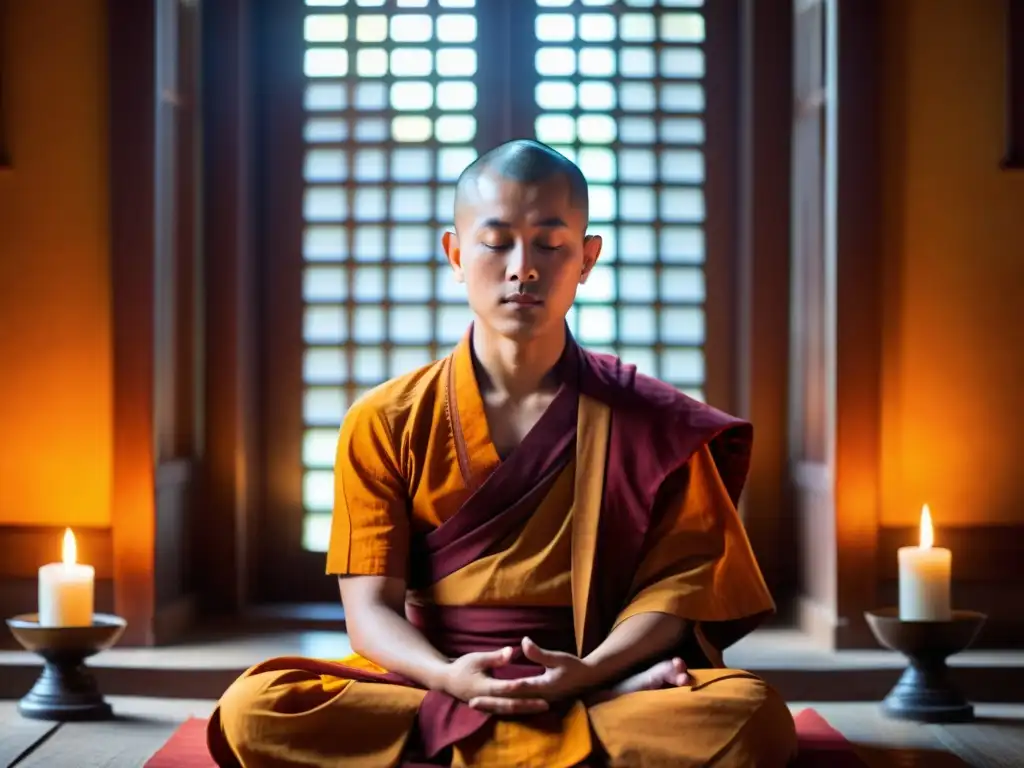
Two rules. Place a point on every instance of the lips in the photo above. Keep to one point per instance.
(523, 299)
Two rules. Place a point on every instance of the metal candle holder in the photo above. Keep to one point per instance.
(925, 692)
(66, 689)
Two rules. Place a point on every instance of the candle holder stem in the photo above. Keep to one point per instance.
(66, 690)
(925, 693)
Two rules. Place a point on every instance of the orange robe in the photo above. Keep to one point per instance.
(411, 455)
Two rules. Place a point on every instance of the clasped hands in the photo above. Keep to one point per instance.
(565, 676)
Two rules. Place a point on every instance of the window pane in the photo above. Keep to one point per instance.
(391, 116)
(380, 162)
(326, 28)
(621, 93)
(326, 62)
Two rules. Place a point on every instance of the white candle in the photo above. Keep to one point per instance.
(66, 590)
(925, 573)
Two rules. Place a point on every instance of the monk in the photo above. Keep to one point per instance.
(537, 548)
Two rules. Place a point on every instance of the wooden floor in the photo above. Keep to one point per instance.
(142, 726)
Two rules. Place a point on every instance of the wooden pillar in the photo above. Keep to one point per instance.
(5, 149)
(761, 286)
(1014, 156)
(132, 261)
(153, 324)
(836, 316)
(230, 477)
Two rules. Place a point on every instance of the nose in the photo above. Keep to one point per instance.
(520, 268)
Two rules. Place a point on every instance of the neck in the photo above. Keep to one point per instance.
(518, 368)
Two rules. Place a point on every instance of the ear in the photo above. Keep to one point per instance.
(591, 252)
(450, 241)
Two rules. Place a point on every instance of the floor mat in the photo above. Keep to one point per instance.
(821, 746)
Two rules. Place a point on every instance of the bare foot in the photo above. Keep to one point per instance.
(664, 674)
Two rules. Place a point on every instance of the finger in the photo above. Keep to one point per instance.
(523, 687)
(679, 675)
(491, 659)
(538, 655)
(505, 706)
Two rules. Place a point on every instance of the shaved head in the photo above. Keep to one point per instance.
(524, 161)
(520, 243)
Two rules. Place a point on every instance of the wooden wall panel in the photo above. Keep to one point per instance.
(760, 284)
(153, 257)
(812, 307)
(858, 314)
(5, 140)
(1013, 157)
(228, 475)
(836, 310)
(175, 578)
(133, 98)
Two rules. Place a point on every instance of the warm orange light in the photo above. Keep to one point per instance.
(70, 548)
(927, 532)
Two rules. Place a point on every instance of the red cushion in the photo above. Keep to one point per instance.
(821, 746)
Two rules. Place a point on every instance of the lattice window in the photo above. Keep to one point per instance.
(390, 98)
(390, 101)
(620, 93)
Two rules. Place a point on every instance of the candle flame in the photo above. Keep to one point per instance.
(70, 547)
(927, 532)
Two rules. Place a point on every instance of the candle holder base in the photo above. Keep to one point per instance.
(66, 690)
(924, 692)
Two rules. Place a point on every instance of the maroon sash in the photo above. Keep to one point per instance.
(503, 501)
(655, 430)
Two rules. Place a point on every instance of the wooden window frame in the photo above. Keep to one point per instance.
(281, 571)
(757, 298)
(1013, 154)
(156, 264)
(6, 157)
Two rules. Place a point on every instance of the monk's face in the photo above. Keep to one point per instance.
(522, 251)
